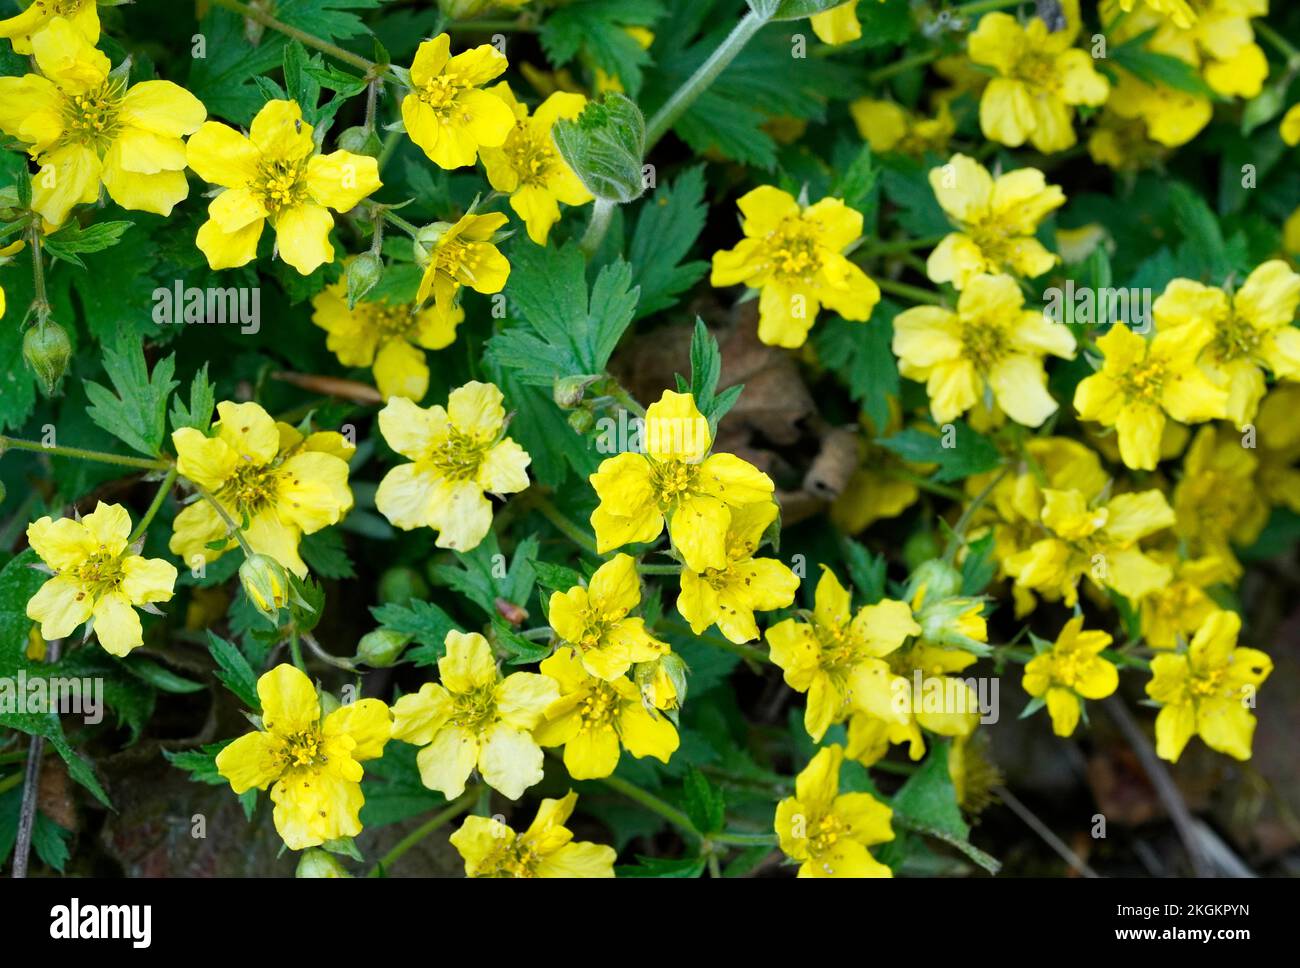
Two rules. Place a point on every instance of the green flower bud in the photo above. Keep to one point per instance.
(363, 274)
(381, 648)
(266, 585)
(582, 421)
(604, 146)
(47, 349)
(360, 141)
(399, 584)
(940, 580)
(317, 863)
(568, 391)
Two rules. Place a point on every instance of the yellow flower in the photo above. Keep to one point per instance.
(97, 577)
(1208, 691)
(386, 336)
(1041, 79)
(594, 718)
(1141, 381)
(1096, 539)
(446, 113)
(85, 127)
(729, 596)
(475, 719)
(869, 738)
(1171, 117)
(834, 657)
(275, 174)
(1124, 144)
(527, 166)
(463, 255)
(1179, 11)
(1250, 331)
(990, 344)
(1217, 500)
(1178, 609)
(314, 762)
(792, 254)
(838, 25)
(546, 849)
(595, 622)
(1279, 446)
(271, 481)
(1070, 671)
(1290, 127)
(887, 127)
(6, 253)
(82, 15)
(674, 481)
(458, 455)
(996, 221)
(829, 832)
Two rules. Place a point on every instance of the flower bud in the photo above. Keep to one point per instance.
(360, 141)
(939, 580)
(266, 585)
(381, 648)
(568, 391)
(581, 421)
(363, 274)
(318, 863)
(662, 682)
(399, 584)
(46, 348)
(604, 146)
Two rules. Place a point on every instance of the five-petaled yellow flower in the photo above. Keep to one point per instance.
(459, 454)
(594, 718)
(273, 483)
(460, 255)
(314, 762)
(546, 849)
(83, 15)
(1041, 78)
(1250, 331)
(834, 657)
(729, 596)
(446, 113)
(527, 166)
(1179, 11)
(829, 832)
(1208, 691)
(1141, 381)
(275, 175)
(990, 344)
(84, 126)
(475, 719)
(595, 621)
(1069, 671)
(674, 481)
(996, 219)
(97, 577)
(793, 256)
(388, 337)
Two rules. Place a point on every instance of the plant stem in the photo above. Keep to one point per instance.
(914, 293)
(1284, 46)
(565, 526)
(163, 489)
(306, 39)
(655, 805)
(492, 26)
(41, 301)
(661, 569)
(451, 812)
(295, 651)
(905, 245)
(744, 651)
(925, 484)
(963, 523)
(140, 463)
(9, 782)
(225, 516)
(31, 785)
(984, 6)
(401, 223)
(901, 65)
(602, 210)
(704, 76)
(617, 391)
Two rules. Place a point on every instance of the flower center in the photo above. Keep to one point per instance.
(530, 157)
(1235, 338)
(1143, 382)
(458, 456)
(474, 710)
(672, 480)
(1038, 70)
(518, 859)
(91, 118)
(594, 627)
(392, 322)
(794, 251)
(442, 94)
(303, 749)
(600, 709)
(281, 183)
(825, 834)
(983, 343)
(1208, 684)
(249, 489)
(99, 574)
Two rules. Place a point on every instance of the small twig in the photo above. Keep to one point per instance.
(1166, 789)
(1061, 848)
(31, 787)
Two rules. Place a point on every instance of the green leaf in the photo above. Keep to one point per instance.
(1156, 68)
(72, 239)
(137, 414)
(559, 578)
(474, 575)
(597, 28)
(326, 554)
(200, 764)
(234, 671)
(866, 570)
(521, 651)
(860, 355)
(1203, 240)
(703, 802)
(706, 367)
(424, 622)
(667, 225)
(969, 452)
(979, 566)
(198, 414)
(604, 146)
(927, 804)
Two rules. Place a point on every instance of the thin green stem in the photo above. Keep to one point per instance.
(914, 293)
(703, 77)
(1284, 46)
(655, 805)
(9, 782)
(295, 650)
(492, 26)
(602, 211)
(984, 6)
(235, 530)
(451, 812)
(963, 523)
(902, 65)
(41, 302)
(78, 453)
(306, 39)
(660, 569)
(401, 223)
(163, 489)
(925, 484)
(905, 245)
(391, 140)
(564, 525)
(744, 651)
(617, 391)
